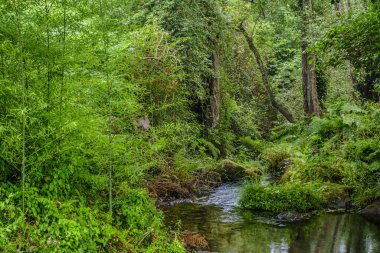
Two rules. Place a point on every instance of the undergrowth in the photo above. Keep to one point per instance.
(340, 150)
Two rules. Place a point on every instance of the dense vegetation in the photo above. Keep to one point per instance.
(322, 161)
(102, 100)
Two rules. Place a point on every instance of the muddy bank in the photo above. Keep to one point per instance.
(169, 186)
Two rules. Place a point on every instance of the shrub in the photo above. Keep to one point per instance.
(53, 225)
(326, 128)
(325, 169)
(367, 150)
(255, 146)
(278, 158)
(279, 198)
(275, 155)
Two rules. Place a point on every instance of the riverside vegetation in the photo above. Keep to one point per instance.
(109, 106)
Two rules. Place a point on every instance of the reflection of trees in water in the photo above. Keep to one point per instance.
(250, 233)
(337, 234)
(245, 235)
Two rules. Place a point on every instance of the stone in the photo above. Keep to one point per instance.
(341, 204)
(194, 241)
(143, 123)
(231, 171)
(293, 216)
(372, 212)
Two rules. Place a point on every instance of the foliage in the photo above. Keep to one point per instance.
(340, 148)
(276, 199)
(69, 226)
(99, 98)
(254, 146)
(357, 41)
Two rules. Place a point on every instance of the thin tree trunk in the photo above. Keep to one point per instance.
(264, 74)
(215, 91)
(337, 6)
(48, 56)
(348, 5)
(63, 64)
(2, 66)
(109, 96)
(309, 77)
(23, 110)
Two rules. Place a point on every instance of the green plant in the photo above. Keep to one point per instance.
(255, 146)
(279, 198)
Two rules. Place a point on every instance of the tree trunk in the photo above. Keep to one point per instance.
(264, 74)
(338, 6)
(348, 5)
(215, 91)
(309, 77)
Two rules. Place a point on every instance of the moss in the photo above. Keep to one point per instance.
(253, 172)
(231, 171)
(254, 146)
(279, 198)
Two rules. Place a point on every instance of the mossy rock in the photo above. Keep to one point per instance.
(373, 208)
(194, 241)
(253, 172)
(231, 171)
(372, 212)
(292, 216)
(279, 172)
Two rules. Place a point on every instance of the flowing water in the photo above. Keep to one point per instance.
(229, 228)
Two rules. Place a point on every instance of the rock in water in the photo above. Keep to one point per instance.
(293, 216)
(194, 241)
(372, 212)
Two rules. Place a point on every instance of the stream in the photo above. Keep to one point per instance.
(229, 228)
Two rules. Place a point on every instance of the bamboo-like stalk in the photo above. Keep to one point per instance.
(23, 103)
(47, 31)
(63, 63)
(109, 97)
(2, 66)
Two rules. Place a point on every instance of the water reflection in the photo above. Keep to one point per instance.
(231, 229)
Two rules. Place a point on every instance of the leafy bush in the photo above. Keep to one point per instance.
(275, 156)
(51, 225)
(366, 150)
(341, 148)
(357, 41)
(279, 198)
(324, 169)
(325, 127)
(255, 146)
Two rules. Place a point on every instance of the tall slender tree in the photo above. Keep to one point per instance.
(103, 11)
(215, 100)
(63, 60)
(48, 58)
(309, 77)
(21, 78)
